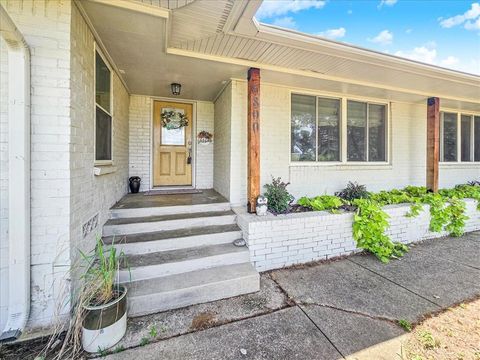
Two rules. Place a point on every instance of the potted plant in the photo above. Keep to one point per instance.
(103, 301)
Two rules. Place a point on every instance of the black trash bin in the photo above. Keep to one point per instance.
(134, 183)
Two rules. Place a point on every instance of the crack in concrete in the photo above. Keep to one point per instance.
(373, 317)
(395, 283)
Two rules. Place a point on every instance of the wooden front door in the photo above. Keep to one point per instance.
(172, 148)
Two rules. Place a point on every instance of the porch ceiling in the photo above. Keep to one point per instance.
(136, 43)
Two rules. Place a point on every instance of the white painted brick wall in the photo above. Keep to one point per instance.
(140, 141)
(90, 194)
(46, 28)
(204, 163)
(3, 182)
(64, 191)
(222, 142)
(284, 240)
(238, 162)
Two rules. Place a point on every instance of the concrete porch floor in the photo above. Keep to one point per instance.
(347, 308)
(142, 200)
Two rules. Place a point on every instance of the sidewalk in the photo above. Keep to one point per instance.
(342, 309)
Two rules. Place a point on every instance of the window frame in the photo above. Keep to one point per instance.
(96, 49)
(343, 131)
(459, 115)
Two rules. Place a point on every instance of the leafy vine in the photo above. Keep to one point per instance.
(447, 213)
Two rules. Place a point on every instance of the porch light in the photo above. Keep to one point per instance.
(176, 88)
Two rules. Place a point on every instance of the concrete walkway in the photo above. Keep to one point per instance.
(343, 309)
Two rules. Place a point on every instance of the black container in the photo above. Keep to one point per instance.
(134, 183)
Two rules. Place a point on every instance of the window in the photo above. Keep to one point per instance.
(304, 123)
(466, 136)
(476, 134)
(366, 132)
(103, 114)
(460, 137)
(328, 129)
(449, 129)
(316, 130)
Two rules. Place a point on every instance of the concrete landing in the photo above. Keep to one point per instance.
(140, 200)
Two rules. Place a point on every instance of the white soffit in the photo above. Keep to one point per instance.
(167, 4)
(136, 43)
(283, 50)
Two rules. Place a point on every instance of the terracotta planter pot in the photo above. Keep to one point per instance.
(105, 325)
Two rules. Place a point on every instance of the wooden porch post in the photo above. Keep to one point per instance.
(253, 126)
(433, 142)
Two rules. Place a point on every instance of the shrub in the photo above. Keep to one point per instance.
(353, 191)
(323, 202)
(279, 199)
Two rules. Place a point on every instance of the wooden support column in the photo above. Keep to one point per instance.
(253, 126)
(433, 142)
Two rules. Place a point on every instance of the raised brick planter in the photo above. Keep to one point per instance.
(283, 240)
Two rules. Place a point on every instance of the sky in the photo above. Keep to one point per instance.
(439, 32)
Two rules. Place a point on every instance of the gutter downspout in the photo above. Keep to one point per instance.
(19, 178)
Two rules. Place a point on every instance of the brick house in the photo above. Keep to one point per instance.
(84, 84)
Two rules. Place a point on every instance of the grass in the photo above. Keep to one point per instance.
(451, 335)
(405, 324)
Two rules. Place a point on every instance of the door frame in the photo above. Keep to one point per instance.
(194, 140)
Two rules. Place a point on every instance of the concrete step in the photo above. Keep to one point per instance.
(145, 243)
(117, 213)
(138, 225)
(180, 290)
(165, 263)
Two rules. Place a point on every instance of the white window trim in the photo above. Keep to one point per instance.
(459, 139)
(96, 49)
(344, 163)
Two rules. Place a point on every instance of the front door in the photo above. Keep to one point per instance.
(172, 144)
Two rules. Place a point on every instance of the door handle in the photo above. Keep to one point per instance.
(189, 157)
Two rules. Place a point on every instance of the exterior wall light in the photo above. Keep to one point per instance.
(176, 88)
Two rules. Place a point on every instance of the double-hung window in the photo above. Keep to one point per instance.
(317, 126)
(103, 111)
(460, 137)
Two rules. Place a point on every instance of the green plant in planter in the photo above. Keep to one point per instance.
(322, 202)
(353, 191)
(279, 199)
(103, 302)
(101, 270)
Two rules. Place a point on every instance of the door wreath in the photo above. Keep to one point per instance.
(173, 120)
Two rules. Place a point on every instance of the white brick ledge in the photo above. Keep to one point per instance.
(284, 240)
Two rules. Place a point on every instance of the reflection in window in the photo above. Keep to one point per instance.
(466, 137)
(103, 113)
(449, 137)
(328, 129)
(376, 132)
(102, 83)
(356, 131)
(103, 136)
(476, 137)
(303, 128)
